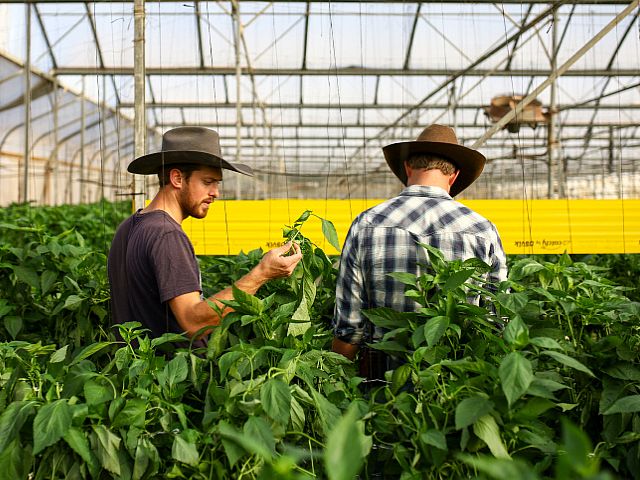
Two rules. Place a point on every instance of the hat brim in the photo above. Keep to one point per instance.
(469, 162)
(153, 163)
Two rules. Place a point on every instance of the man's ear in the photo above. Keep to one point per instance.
(407, 169)
(176, 178)
(453, 177)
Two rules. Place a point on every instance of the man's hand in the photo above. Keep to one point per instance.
(344, 348)
(275, 264)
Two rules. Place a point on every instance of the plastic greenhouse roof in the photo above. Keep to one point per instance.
(323, 85)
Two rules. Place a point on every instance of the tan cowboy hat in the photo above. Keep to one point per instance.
(441, 141)
(193, 145)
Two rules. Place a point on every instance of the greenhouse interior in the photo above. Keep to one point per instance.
(517, 352)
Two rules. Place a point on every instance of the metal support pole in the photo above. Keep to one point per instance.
(103, 141)
(50, 167)
(565, 66)
(255, 182)
(552, 147)
(453, 106)
(115, 179)
(140, 121)
(238, 38)
(56, 127)
(82, 129)
(24, 193)
(69, 190)
(611, 151)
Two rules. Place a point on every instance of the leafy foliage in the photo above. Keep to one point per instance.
(557, 341)
(53, 282)
(540, 379)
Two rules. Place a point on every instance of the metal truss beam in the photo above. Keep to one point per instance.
(556, 73)
(295, 144)
(214, 124)
(355, 106)
(350, 141)
(304, 46)
(94, 31)
(505, 2)
(348, 71)
(48, 78)
(45, 36)
(199, 33)
(514, 47)
(610, 64)
(407, 58)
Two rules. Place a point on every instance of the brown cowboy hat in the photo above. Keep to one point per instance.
(194, 145)
(441, 141)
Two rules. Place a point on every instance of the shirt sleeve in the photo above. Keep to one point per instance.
(348, 321)
(498, 261)
(176, 268)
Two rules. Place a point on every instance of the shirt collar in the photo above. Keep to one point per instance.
(425, 191)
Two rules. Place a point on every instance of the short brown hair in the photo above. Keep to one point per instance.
(185, 168)
(431, 162)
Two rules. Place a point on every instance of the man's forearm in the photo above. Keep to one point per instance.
(193, 314)
(250, 283)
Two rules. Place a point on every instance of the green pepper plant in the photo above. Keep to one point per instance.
(474, 395)
(538, 380)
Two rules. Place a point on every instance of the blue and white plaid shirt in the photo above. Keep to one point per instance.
(384, 240)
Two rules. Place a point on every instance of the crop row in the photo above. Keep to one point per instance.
(540, 381)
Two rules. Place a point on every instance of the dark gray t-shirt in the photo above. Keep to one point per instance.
(150, 262)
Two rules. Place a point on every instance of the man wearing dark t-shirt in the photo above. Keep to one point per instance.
(153, 271)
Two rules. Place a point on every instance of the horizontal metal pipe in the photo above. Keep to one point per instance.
(214, 124)
(355, 106)
(506, 2)
(345, 71)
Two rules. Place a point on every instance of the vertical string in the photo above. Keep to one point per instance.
(101, 119)
(620, 177)
(284, 158)
(525, 197)
(342, 129)
(365, 161)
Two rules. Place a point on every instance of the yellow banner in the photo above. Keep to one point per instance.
(526, 227)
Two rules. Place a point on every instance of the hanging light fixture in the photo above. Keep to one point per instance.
(531, 115)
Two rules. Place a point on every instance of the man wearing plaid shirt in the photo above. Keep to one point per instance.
(384, 239)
